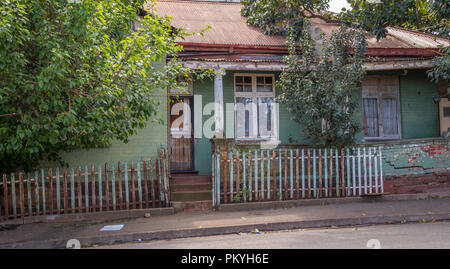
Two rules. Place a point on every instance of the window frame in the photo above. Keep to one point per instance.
(379, 95)
(254, 95)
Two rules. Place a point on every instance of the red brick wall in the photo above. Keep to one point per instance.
(417, 183)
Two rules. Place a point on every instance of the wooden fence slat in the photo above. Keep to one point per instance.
(29, 198)
(309, 173)
(314, 174)
(225, 177)
(119, 178)
(36, 192)
(261, 192)
(349, 186)
(50, 180)
(213, 179)
(93, 195)
(274, 176)
(381, 170)
(133, 187)
(238, 174)
(65, 194)
(72, 190)
(359, 170)
(5, 195)
(280, 188)
(325, 160)
(320, 188)
(244, 176)
(250, 178)
(268, 175)
(370, 170)
(100, 188)
(166, 180)
(13, 194)
(86, 188)
(79, 190)
(218, 160)
(376, 169)
(230, 156)
(256, 176)
(107, 188)
(365, 170)
(113, 187)
(138, 167)
(291, 174)
(336, 157)
(158, 180)
(58, 192)
(44, 211)
(127, 193)
(285, 175)
(330, 174)
(144, 163)
(342, 173)
(21, 195)
(297, 183)
(303, 174)
(354, 172)
(152, 184)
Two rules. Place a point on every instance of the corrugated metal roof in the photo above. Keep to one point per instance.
(228, 27)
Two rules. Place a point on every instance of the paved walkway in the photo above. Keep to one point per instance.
(183, 224)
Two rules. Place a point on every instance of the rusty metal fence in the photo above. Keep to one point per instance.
(107, 187)
(284, 174)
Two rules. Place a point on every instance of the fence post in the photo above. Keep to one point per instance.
(381, 170)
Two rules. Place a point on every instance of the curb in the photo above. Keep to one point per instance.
(196, 232)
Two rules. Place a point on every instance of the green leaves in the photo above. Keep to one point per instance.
(318, 89)
(74, 74)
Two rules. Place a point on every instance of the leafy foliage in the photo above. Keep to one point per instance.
(319, 91)
(281, 16)
(441, 70)
(73, 74)
(423, 15)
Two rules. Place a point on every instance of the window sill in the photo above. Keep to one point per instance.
(256, 141)
(375, 139)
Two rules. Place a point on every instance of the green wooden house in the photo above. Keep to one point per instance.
(398, 105)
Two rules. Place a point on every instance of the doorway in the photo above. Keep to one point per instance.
(181, 134)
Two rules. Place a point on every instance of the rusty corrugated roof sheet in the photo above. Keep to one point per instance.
(228, 27)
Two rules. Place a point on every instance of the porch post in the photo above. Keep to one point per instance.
(218, 103)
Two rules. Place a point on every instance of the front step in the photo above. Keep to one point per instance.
(181, 196)
(190, 187)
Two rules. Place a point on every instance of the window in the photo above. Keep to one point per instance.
(255, 110)
(381, 107)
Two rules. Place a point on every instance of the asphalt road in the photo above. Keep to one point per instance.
(400, 236)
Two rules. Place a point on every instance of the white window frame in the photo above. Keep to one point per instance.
(380, 95)
(254, 95)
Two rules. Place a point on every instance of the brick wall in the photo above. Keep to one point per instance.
(416, 166)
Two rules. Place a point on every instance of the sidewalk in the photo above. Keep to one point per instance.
(188, 224)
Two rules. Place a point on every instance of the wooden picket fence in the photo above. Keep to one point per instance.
(284, 174)
(143, 184)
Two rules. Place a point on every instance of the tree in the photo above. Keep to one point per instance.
(429, 16)
(282, 16)
(73, 75)
(318, 89)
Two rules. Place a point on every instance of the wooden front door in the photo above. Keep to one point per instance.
(181, 134)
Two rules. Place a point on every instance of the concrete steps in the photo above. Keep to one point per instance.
(190, 188)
